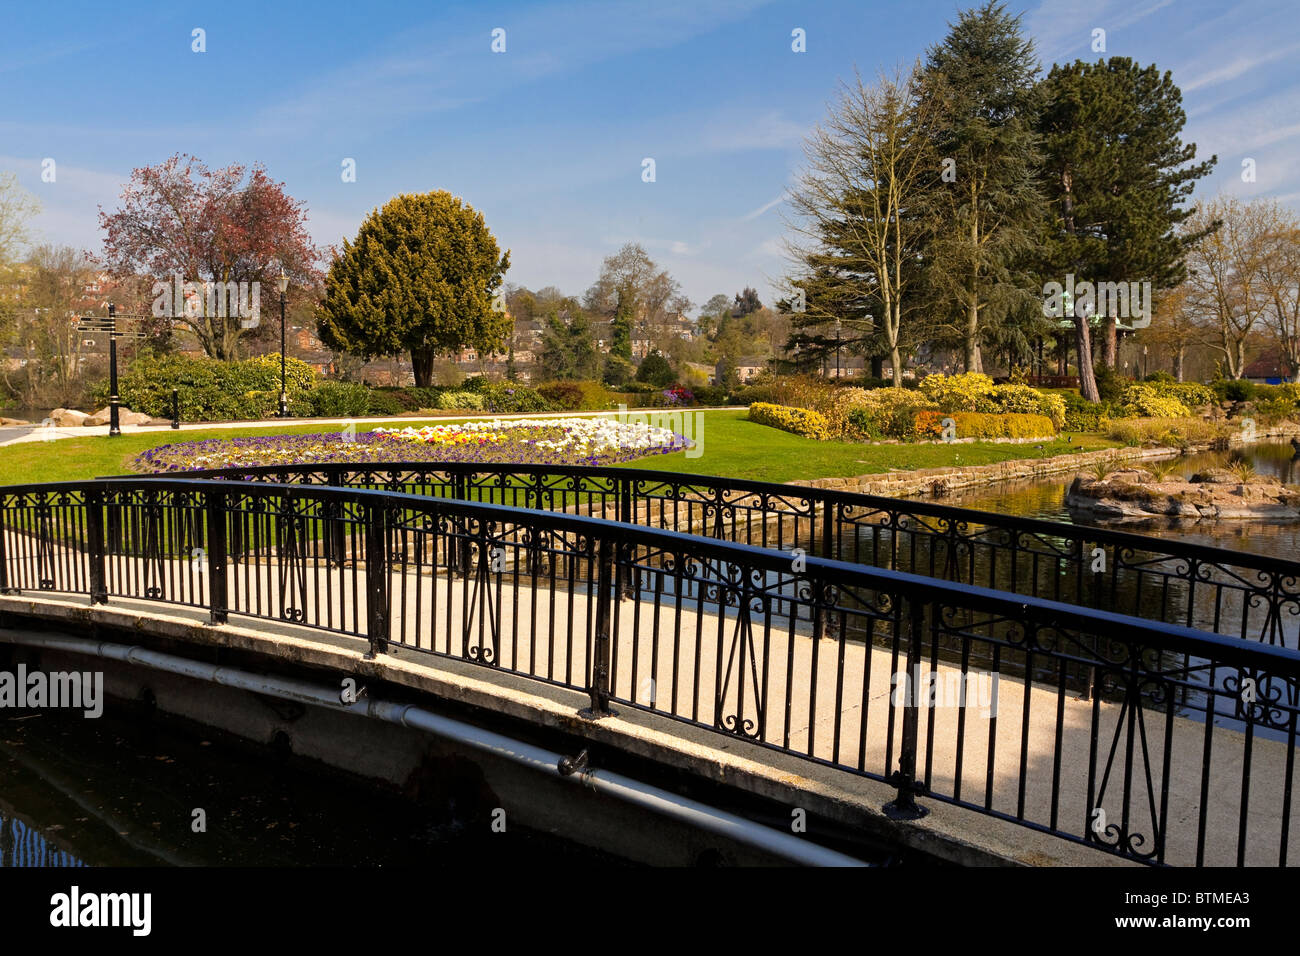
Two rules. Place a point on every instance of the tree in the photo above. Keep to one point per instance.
(1225, 280)
(17, 207)
(1174, 329)
(978, 85)
(620, 326)
(1280, 284)
(568, 344)
(655, 370)
(634, 292)
(60, 284)
(232, 225)
(746, 302)
(868, 164)
(1116, 175)
(420, 277)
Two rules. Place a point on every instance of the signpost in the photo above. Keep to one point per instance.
(109, 324)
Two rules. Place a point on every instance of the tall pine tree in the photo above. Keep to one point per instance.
(980, 85)
(1116, 175)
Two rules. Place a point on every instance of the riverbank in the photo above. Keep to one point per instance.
(939, 482)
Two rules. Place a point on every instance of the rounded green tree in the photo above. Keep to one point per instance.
(420, 277)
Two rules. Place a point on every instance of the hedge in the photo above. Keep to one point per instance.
(799, 421)
(930, 425)
(211, 390)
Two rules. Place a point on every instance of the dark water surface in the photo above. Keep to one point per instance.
(122, 791)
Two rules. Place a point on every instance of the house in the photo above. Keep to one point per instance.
(1271, 368)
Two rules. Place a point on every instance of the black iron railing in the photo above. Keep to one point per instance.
(1226, 592)
(1150, 740)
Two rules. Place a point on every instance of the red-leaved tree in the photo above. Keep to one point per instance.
(227, 225)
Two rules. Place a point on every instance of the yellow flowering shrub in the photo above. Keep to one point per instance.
(969, 392)
(929, 425)
(798, 421)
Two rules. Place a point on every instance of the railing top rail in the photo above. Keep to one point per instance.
(1016, 607)
(1124, 539)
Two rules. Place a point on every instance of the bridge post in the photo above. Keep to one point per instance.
(215, 512)
(376, 517)
(624, 500)
(912, 624)
(603, 638)
(95, 546)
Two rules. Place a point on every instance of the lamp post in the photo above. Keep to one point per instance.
(838, 325)
(282, 283)
(114, 402)
(1144, 362)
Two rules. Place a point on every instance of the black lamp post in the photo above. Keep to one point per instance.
(283, 284)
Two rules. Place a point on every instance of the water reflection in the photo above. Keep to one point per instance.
(1045, 498)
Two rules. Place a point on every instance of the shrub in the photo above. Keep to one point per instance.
(929, 424)
(384, 403)
(1023, 400)
(1191, 394)
(968, 392)
(799, 421)
(710, 395)
(208, 389)
(1143, 401)
(974, 392)
(1082, 415)
(566, 396)
(461, 400)
(618, 371)
(889, 413)
(1234, 390)
(1110, 384)
(1174, 432)
(655, 370)
(575, 396)
(798, 391)
(512, 398)
(340, 400)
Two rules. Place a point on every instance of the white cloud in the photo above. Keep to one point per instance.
(1237, 67)
(772, 204)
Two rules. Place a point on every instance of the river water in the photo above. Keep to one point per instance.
(122, 790)
(1045, 498)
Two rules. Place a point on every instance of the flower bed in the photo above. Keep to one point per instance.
(537, 441)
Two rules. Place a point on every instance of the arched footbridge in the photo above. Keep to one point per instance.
(1134, 694)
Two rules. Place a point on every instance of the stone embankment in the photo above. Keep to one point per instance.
(938, 482)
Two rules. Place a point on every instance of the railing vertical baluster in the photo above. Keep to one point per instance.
(214, 503)
(4, 551)
(624, 499)
(377, 616)
(904, 806)
(95, 546)
(603, 637)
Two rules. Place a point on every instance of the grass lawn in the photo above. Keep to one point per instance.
(732, 446)
(737, 448)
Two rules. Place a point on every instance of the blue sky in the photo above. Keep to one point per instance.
(548, 138)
